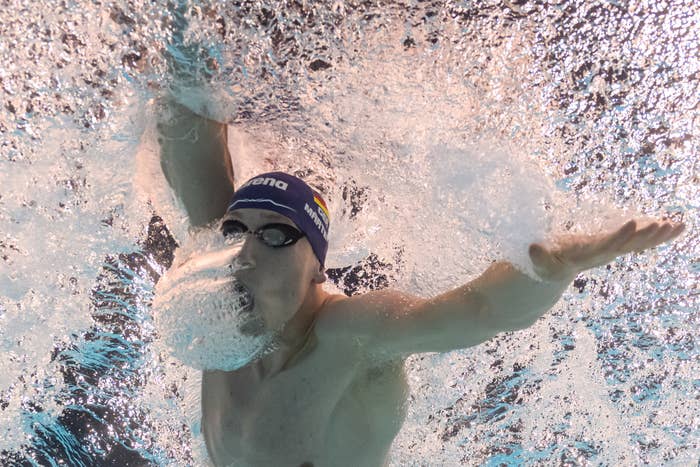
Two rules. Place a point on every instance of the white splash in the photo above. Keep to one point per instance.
(204, 316)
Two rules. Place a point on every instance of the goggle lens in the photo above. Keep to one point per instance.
(273, 235)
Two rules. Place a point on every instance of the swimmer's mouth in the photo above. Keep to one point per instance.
(244, 298)
(250, 324)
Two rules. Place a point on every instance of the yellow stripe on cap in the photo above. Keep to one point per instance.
(322, 205)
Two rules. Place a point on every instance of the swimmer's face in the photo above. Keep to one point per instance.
(278, 278)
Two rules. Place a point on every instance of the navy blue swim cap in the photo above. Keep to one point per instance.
(294, 199)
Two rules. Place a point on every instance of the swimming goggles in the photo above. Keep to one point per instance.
(273, 235)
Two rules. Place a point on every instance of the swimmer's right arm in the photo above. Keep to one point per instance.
(194, 152)
(195, 160)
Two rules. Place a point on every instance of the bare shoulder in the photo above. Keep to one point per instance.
(362, 316)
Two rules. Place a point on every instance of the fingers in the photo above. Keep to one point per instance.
(640, 240)
(580, 252)
(661, 233)
(670, 231)
(620, 237)
(651, 236)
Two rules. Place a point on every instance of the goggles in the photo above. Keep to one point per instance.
(273, 235)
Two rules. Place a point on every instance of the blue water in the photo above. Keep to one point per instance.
(600, 99)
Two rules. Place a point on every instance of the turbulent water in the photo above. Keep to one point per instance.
(203, 314)
(444, 135)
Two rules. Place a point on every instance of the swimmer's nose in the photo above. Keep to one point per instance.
(245, 258)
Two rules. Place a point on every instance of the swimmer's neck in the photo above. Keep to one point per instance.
(295, 334)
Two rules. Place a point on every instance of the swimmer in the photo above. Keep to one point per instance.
(334, 392)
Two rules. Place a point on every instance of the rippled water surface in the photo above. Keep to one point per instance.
(444, 135)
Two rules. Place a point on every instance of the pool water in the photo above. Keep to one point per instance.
(444, 135)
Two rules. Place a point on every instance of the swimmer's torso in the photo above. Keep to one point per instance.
(330, 408)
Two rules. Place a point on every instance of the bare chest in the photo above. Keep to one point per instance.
(314, 412)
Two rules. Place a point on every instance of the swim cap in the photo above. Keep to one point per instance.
(294, 199)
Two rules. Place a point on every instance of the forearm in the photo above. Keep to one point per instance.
(195, 161)
(501, 299)
(194, 152)
(511, 300)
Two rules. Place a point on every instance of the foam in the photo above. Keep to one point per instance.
(202, 314)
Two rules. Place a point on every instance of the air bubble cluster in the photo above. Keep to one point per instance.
(444, 135)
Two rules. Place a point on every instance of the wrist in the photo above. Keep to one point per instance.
(563, 275)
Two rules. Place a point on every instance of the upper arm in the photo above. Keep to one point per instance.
(501, 299)
(393, 323)
(195, 160)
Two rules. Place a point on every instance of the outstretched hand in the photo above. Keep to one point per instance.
(572, 254)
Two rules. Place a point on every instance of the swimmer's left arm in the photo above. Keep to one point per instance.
(501, 299)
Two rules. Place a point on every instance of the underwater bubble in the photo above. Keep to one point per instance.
(206, 318)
